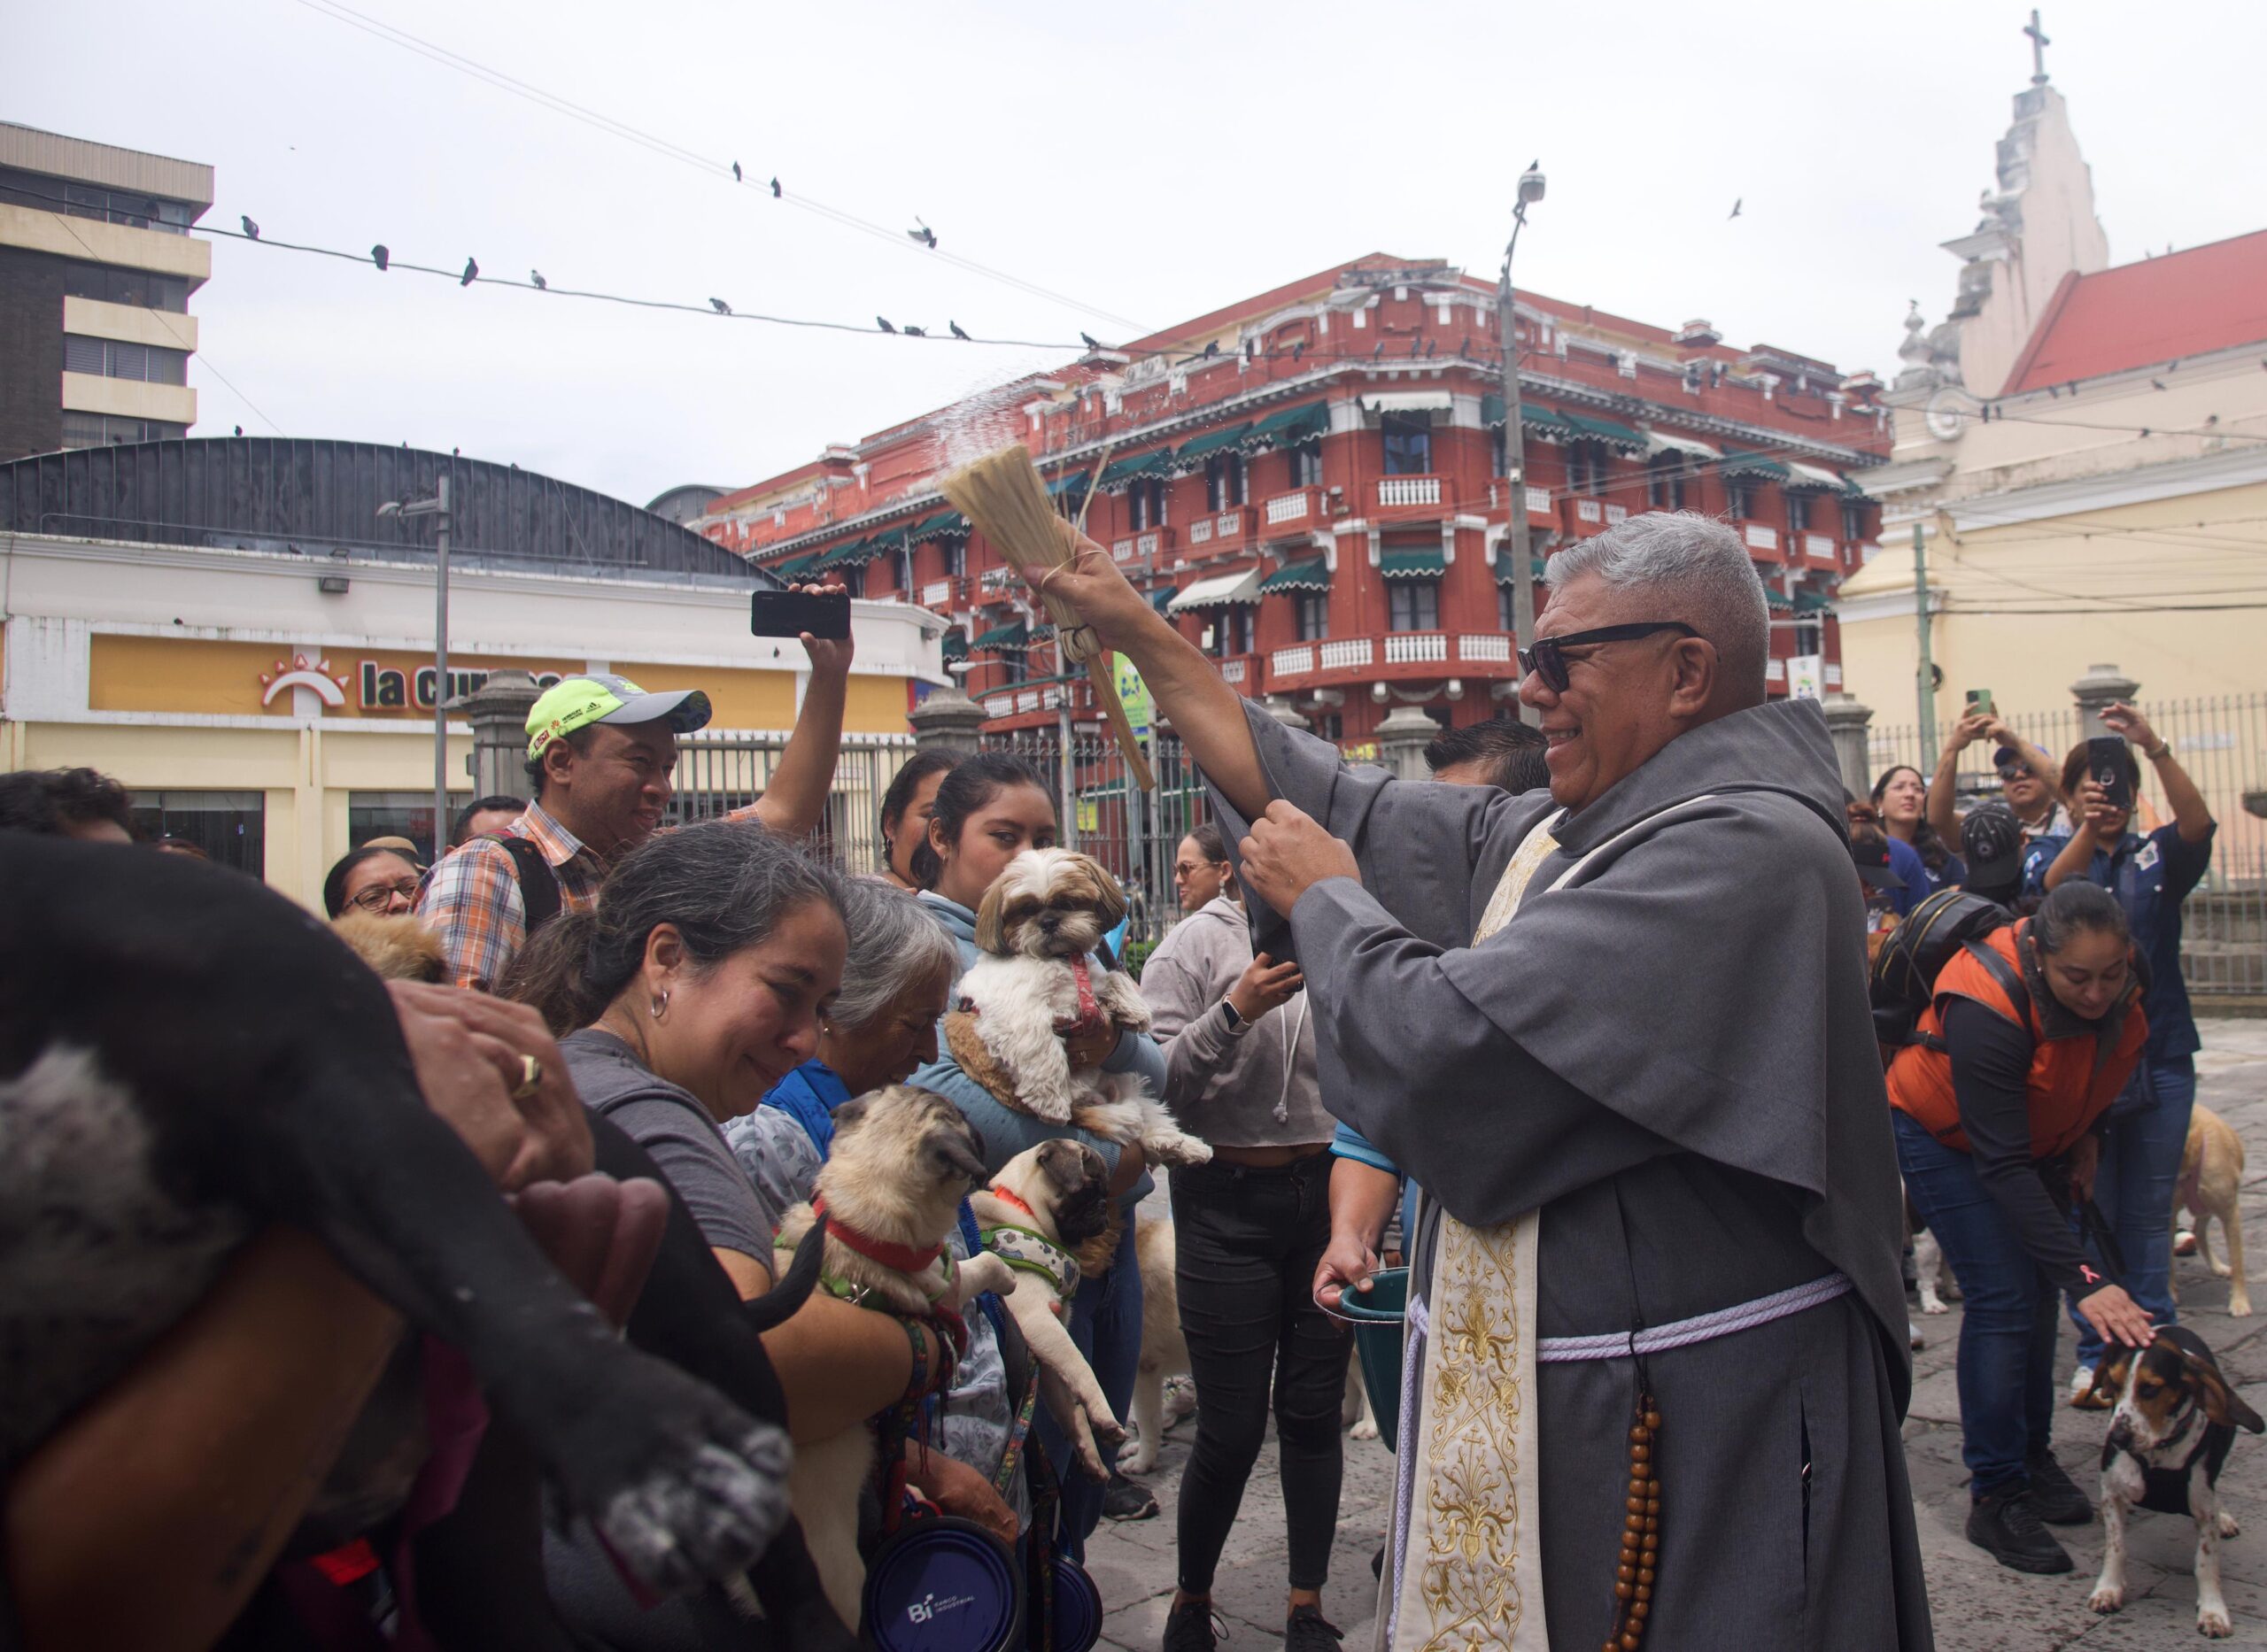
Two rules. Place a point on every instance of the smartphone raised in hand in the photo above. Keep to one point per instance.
(1979, 703)
(2109, 766)
(825, 615)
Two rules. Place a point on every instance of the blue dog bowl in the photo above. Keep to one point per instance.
(1078, 1607)
(947, 1585)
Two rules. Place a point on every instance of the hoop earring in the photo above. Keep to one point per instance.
(660, 1003)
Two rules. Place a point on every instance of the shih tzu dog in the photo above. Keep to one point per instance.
(1032, 987)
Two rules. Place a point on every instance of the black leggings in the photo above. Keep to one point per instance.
(1248, 1242)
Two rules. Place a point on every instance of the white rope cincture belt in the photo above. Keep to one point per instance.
(1614, 1345)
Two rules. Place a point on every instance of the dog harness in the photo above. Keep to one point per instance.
(1029, 1251)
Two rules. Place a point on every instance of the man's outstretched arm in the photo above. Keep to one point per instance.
(1204, 711)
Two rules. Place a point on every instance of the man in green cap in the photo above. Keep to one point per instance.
(600, 750)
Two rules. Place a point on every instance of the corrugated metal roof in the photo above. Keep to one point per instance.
(315, 497)
(106, 164)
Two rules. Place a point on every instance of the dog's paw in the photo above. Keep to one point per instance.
(1367, 1429)
(1914, 1338)
(2221, 1268)
(1931, 1303)
(706, 1493)
(1177, 1148)
(1180, 1400)
(1140, 1460)
(2213, 1621)
(984, 1272)
(2228, 1526)
(2107, 1598)
(2239, 1305)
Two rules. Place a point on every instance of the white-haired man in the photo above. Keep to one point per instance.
(1620, 1036)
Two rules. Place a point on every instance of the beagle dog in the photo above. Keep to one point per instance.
(2171, 1431)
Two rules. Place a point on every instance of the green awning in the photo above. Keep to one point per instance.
(1811, 602)
(1504, 567)
(1739, 462)
(1075, 483)
(1777, 603)
(1852, 490)
(1161, 598)
(944, 525)
(954, 645)
(1312, 574)
(1491, 412)
(1011, 636)
(1414, 564)
(1619, 436)
(1196, 450)
(1123, 473)
(1289, 427)
(795, 566)
(1547, 422)
(856, 553)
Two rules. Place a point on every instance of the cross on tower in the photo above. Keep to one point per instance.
(2039, 45)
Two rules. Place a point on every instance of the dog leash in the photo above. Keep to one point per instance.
(2092, 1225)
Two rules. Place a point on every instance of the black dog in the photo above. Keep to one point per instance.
(186, 1057)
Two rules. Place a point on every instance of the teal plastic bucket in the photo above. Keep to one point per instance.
(1377, 1315)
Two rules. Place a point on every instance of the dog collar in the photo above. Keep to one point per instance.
(1090, 1016)
(903, 1258)
(1014, 1201)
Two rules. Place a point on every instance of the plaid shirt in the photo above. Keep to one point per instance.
(471, 897)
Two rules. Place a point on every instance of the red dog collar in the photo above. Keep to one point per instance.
(1007, 1198)
(904, 1258)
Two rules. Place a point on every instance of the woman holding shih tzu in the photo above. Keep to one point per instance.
(1250, 1229)
(989, 810)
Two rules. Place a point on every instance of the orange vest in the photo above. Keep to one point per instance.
(2073, 1078)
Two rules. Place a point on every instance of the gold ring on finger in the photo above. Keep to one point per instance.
(530, 1078)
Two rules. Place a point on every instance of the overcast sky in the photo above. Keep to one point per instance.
(1148, 162)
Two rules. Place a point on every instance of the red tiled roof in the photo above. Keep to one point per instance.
(2184, 304)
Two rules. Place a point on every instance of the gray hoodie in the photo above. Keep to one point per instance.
(1254, 1086)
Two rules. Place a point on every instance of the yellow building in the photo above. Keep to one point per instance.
(96, 266)
(253, 655)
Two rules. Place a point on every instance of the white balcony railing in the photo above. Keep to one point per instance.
(1393, 490)
(1027, 700)
(1818, 547)
(1538, 501)
(1484, 648)
(1616, 513)
(1354, 650)
(999, 704)
(1286, 507)
(996, 579)
(937, 591)
(1200, 531)
(1121, 550)
(1415, 648)
(1761, 536)
(1834, 676)
(1774, 671)
(1148, 543)
(1232, 671)
(1589, 510)
(1290, 662)
(1230, 524)
(1867, 552)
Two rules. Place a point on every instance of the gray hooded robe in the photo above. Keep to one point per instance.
(1680, 1041)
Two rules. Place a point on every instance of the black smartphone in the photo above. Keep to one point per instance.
(824, 614)
(2109, 766)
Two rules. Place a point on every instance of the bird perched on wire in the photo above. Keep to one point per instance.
(541, 285)
(1298, 350)
(956, 327)
(775, 189)
(2157, 384)
(1431, 346)
(240, 429)
(915, 332)
(720, 306)
(1379, 353)
(252, 230)
(471, 270)
(736, 172)
(1735, 212)
(926, 235)
(882, 322)
(1090, 341)
(379, 255)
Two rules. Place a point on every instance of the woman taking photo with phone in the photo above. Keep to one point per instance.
(2150, 875)
(2031, 1034)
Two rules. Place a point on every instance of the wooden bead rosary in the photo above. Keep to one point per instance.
(1641, 1538)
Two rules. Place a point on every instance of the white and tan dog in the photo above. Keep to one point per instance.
(902, 1161)
(1032, 985)
(1164, 1351)
(2211, 1185)
(1044, 1207)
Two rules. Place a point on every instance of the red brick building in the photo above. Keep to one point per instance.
(1311, 480)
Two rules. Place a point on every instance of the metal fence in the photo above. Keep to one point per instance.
(2223, 745)
(715, 777)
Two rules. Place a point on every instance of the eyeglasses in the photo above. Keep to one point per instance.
(1189, 868)
(376, 898)
(1548, 658)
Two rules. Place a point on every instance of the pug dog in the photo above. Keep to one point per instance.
(890, 1193)
(1033, 983)
(1045, 1204)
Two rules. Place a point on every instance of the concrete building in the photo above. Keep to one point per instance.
(227, 627)
(97, 268)
(1311, 480)
(2083, 450)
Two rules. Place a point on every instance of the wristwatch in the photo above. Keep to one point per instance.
(1229, 1009)
(2164, 751)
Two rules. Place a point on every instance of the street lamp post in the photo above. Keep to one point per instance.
(1530, 191)
(437, 506)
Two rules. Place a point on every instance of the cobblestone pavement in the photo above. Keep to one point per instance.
(1978, 1603)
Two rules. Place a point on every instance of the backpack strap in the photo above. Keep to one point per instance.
(540, 897)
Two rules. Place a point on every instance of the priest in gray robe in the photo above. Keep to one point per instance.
(1620, 1036)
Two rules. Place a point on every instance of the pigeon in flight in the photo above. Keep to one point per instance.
(379, 256)
(736, 172)
(926, 235)
(252, 230)
(775, 189)
(720, 306)
(1735, 212)
(956, 332)
(882, 322)
(1090, 341)
(471, 270)
(536, 276)
(915, 332)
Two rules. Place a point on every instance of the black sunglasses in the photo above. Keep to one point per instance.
(1548, 659)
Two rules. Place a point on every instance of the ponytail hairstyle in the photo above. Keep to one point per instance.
(902, 787)
(1210, 843)
(973, 783)
(2073, 907)
(1934, 854)
(722, 885)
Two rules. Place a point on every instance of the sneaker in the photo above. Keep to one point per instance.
(2056, 1496)
(2006, 1527)
(1127, 1499)
(1307, 1630)
(2083, 1398)
(1191, 1627)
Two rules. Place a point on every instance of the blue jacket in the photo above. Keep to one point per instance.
(2150, 877)
(809, 1096)
(1007, 1132)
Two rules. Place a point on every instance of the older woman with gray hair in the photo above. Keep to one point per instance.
(881, 1026)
